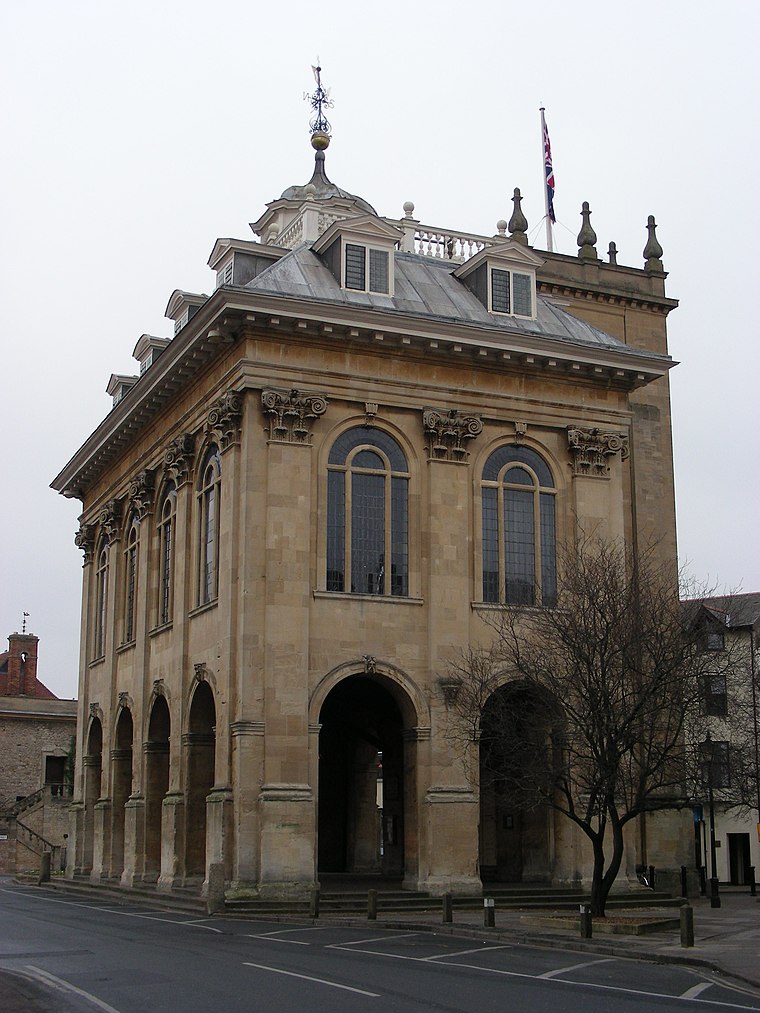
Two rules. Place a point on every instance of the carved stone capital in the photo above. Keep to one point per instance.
(84, 539)
(141, 493)
(446, 433)
(292, 414)
(110, 520)
(223, 420)
(591, 449)
(178, 459)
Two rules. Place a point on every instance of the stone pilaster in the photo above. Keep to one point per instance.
(134, 841)
(172, 841)
(101, 857)
(248, 767)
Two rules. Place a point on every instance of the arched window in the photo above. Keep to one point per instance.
(130, 577)
(367, 514)
(208, 526)
(519, 541)
(166, 522)
(101, 602)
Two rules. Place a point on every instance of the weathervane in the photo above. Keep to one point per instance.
(23, 622)
(319, 100)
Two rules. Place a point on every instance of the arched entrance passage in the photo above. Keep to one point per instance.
(93, 770)
(200, 751)
(517, 765)
(156, 750)
(364, 781)
(121, 780)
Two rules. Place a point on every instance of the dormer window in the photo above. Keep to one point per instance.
(503, 277)
(359, 254)
(366, 270)
(511, 292)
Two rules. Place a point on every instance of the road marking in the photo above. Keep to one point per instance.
(272, 938)
(196, 923)
(463, 953)
(308, 977)
(372, 939)
(574, 967)
(65, 986)
(695, 990)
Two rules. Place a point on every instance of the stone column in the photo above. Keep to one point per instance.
(134, 840)
(101, 856)
(286, 801)
(172, 841)
(450, 806)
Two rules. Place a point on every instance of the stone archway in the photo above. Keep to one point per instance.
(367, 763)
(121, 782)
(516, 826)
(156, 750)
(93, 770)
(200, 755)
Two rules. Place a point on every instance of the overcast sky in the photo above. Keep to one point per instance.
(136, 134)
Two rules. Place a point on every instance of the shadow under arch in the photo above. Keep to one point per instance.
(367, 713)
(520, 742)
(93, 772)
(199, 748)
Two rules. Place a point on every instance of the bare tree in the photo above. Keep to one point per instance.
(583, 707)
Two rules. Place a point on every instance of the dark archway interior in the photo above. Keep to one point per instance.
(93, 770)
(121, 760)
(361, 781)
(516, 768)
(156, 783)
(200, 746)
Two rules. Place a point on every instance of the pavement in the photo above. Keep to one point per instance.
(726, 941)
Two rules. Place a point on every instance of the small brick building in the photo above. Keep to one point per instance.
(36, 735)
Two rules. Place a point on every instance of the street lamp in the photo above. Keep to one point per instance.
(708, 752)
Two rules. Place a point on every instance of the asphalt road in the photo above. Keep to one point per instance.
(72, 956)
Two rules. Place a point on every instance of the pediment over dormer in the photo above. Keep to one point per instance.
(359, 252)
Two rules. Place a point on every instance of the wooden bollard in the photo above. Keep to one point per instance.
(372, 905)
(489, 912)
(687, 925)
(447, 913)
(586, 922)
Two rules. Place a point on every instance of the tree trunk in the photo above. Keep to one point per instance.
(598, 895)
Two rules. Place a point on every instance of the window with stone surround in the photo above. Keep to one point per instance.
(367, 514)
(519, 538)
(166, 539)
(101, 602)
(130, 577)
(208, 526)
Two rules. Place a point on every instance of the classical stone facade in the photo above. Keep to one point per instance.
(368, 436)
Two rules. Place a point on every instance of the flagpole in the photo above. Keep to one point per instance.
(547, 216)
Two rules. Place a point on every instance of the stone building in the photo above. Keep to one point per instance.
(37, 731)
(370, 434)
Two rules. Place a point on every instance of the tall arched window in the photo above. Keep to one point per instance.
(367, 514)
(208, 526)
(101, 602)
(130, 577)
(519, 541)
(166, 522)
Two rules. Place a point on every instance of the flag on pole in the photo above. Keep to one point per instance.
(548, 171)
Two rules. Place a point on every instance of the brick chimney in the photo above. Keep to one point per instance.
(22, 665)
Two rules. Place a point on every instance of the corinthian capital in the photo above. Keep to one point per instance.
(292, 414)
(592, 448)
(447, 431)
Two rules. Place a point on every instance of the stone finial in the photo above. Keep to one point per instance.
(501, 229)
(653, 250)
(518, 223)
(408, 209)
(612, 254)
(587, 236)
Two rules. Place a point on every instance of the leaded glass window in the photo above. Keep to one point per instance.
(519, 530)
(208, 527)
(367, 514)
(364, 264)
(511, 292)
(130, 578)
(166, 537)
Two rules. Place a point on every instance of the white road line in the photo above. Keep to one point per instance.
(574, 967)
(65, 986)
(272, 938)
(695, 990)
(308, 977)
(196, 923)
(372, 939)
(463, 953)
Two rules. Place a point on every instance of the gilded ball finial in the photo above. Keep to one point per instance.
(320, 140)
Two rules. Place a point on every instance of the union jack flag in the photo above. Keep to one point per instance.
(549, 172)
